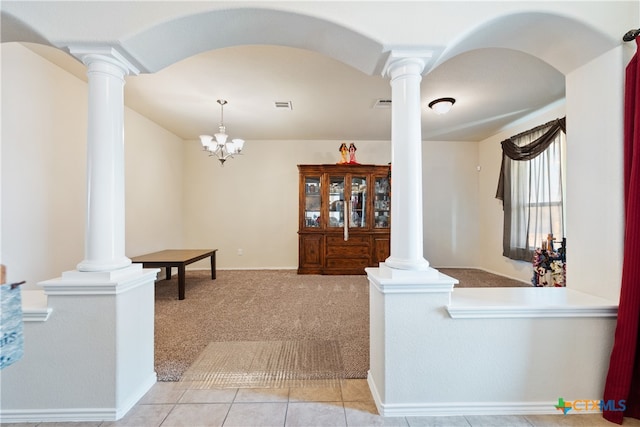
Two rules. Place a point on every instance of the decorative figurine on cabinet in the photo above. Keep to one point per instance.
(352, 154)
(343, 154)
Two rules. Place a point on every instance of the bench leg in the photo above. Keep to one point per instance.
(168, 271)
(213, 266)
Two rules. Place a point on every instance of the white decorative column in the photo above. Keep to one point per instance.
(404, 287)
(104, 227)
(93, 359)
(405, 72)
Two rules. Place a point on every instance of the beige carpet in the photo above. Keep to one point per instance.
(277, 306)
(264, 305)
(474, 278)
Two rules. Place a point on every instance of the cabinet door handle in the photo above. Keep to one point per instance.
(346, 221)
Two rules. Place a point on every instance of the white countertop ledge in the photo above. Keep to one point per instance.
(478, 303)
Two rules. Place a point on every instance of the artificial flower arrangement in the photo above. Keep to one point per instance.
(549, 267)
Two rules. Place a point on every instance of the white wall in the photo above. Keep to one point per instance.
(595, 227)
(450, 203)
(153, 186)
(502, 360)
(252, 202)
(44, 125)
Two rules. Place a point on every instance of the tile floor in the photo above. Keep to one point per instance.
(349, 404)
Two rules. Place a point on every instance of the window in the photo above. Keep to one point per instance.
(532, 188)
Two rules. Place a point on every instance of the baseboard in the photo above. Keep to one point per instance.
(76, 414)
(470, 408)
(57, 415)
(245, 268)
(509, 277)
(462, 408)
(136, 395)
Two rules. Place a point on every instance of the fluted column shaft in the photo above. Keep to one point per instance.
(105, 214)
(406, 165)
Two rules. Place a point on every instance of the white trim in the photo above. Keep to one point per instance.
(36, 315)
(135, 397)
(57, 415)
(99, 283)
(472, 408)
(111, 54)
(412, 288)
(491, 303)
(374, 392)
(34, 306)
(463, 408)
(516, 312)
(392, 281)
(76, 414)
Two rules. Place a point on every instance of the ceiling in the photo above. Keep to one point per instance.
(330, 100)
(500, 61)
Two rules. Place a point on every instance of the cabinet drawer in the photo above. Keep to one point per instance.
(353, 240)
(348, 263)
(348, 251)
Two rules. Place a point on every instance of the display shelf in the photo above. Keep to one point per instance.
(344, 218)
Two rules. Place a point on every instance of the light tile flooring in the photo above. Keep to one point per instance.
(349, 404)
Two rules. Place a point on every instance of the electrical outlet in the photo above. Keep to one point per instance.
(240, 252)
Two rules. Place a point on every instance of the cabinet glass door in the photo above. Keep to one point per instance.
(337, 207)
(312, 201)
(358, 202)
(381, 202)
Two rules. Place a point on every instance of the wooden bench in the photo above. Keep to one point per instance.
(177, 258)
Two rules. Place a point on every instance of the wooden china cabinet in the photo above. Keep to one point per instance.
(344, 218)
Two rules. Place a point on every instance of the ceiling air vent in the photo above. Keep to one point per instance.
(283, 105)
(382, 103)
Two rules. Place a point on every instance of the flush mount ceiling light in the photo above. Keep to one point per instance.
(220, 148)
(442, 105)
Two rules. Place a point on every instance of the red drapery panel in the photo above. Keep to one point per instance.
(623, 378)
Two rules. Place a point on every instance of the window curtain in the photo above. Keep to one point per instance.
(530, 186)
(623, 377)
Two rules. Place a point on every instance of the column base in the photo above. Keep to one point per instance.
(95, 266)
(76, 282)
(405, 264)
(392, 280)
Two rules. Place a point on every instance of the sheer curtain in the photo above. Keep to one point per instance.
(531, 187)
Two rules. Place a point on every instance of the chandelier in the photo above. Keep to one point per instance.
(221, 148)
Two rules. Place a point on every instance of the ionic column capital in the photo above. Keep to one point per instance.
(406, 62)
(105, 59)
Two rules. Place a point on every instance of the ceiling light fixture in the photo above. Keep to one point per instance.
(221, 149)
(442, 105)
